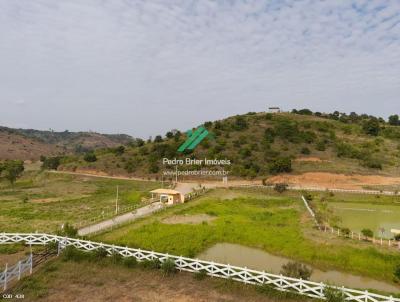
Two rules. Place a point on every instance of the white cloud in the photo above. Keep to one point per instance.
(147, 66)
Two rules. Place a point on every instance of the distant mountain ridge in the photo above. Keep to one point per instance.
(31, 144)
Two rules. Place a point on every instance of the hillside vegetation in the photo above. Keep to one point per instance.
(261, 144)
(31, 144)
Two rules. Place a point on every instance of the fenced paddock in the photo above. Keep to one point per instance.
(240, 274)
(15, 272)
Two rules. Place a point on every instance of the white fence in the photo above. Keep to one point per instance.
(313, 189)
(15, 271)
(245, 275)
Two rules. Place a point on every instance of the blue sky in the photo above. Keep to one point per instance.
(144, 67)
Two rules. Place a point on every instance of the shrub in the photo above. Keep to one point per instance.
(100, 253)
(200, 275)
(367, 233)
(168, 267)
(90, 157)
(129, 262)
(396, 272)
(320, 146)
(72, 253)
(280, 165)
(280, 187)
(372, 163)
(151, 264)
(397, 237)
(116, 258)
(68, 230)
(305, 151)
(296, 270)
(333, 295)
(51, 163)
(345, 232)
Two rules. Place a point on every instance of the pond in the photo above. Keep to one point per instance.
(358, 216)
(257, 259)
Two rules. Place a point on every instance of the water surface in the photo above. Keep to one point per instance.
(257, 259)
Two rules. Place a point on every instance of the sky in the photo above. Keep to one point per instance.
(146, 67)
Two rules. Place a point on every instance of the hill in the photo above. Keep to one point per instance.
(31, 144)
(262, 144)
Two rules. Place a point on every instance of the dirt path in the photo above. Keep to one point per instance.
(314, 180)
(106, 224)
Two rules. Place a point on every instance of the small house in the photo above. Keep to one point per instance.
(274, 109)
(168, 196)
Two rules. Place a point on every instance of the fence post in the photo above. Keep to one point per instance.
(19, 270)
(31, 262)
(5, 277)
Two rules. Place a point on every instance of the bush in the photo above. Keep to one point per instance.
(68, 231)
(296, 270)
(51, 163)
(367, 233)
(397, 237)
(305, 151)
(100, 253)
(333, 295)
(151, 264)
(280, 187)
(345, 232)
(72, 253)
(129, 262)
(280, 165)
(200, 275)
(396, 272)
(168, 267)
(90, 157)
(116, 258)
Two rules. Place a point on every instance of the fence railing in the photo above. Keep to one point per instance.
(15, 272)
(226, 271)
(391, 243)
(313, 189)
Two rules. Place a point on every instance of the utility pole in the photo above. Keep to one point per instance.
(116, 203)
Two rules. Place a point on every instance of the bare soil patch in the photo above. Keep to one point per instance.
(334, 181)
(310, 159)
(95, 282)
(188, 219)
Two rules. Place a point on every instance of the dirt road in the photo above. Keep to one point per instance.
(106, 224)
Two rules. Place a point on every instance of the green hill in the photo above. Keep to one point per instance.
(261, 144)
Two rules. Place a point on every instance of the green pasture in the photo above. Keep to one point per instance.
(265, 220)
(42, 201)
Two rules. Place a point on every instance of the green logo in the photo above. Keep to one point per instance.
(194, 138)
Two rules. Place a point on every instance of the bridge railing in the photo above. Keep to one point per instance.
(240, 274)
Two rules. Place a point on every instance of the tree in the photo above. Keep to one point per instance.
(280, 165)
(371, 127)
(367, 233)
(394, 120)
(12, 170)
(119, 150)
(158, 139)
(90, 157)
(51, 162)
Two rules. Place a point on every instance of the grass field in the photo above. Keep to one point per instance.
(359, 211)
(265, 220)
(106, 281)
(43, 201)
